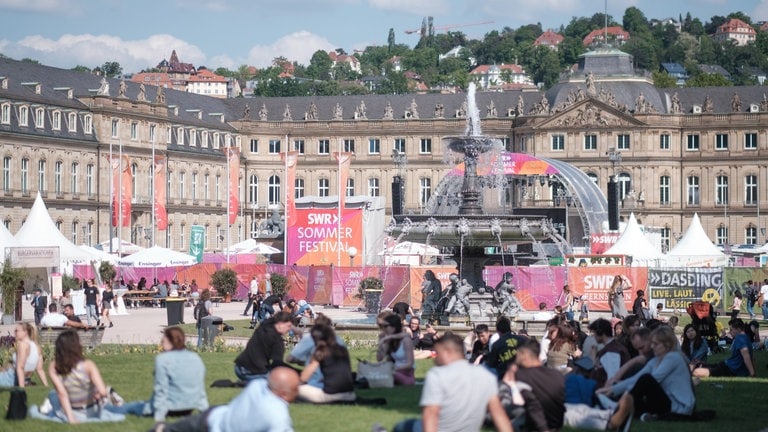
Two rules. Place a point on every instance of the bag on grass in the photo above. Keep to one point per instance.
(17, 405)
(378, 374)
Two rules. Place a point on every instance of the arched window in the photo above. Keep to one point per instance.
(625, 185)
(274, 190)
(593, 177)
(73, 172)
(253, 189)
(134, 169)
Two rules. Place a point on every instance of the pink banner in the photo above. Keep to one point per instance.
(233, 159)
(160, 184)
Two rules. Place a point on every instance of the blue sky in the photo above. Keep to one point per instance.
(228, 33)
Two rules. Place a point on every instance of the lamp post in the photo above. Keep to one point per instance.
(352, 252)
(254, 231)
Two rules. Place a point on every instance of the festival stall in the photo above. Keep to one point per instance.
(633, 243)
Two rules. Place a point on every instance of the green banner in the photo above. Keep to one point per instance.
(197, 242)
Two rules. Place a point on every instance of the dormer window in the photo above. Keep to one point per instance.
(24, 116)
(56, 120)
(5, 113)
(39, 118)
(88, 124)
(72, 122)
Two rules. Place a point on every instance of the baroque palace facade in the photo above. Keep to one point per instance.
(682, 151)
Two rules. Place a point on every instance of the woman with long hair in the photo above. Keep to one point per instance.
(107, 297)
(333, 360)
(562, 348)
(179, 383)
(202, 310)
(80, 390)
(396, 346)
(616, 296)
(27, 358)
(694, 346)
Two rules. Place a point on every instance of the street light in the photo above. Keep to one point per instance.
(352, 252)
(254, 207)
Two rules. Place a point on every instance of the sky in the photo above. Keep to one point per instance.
(228, 33)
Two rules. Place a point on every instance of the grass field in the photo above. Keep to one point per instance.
(738, 402)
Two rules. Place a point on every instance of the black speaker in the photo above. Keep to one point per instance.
(397, 196)
(613, 205)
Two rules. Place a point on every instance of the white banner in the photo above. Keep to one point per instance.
(35, 257)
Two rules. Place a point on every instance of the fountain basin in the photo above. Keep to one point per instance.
(479, 230)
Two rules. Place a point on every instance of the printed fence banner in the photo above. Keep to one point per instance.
(319, 284)
(533, 285)
(197, 242)
(593, 284)
(442, 273)
(317, 236)
(735, 278)
(396, 285)
(676, 287)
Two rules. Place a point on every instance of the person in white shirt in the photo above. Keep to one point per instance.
(252, 293)
(543, 314)
(764, 295)
(54, 318)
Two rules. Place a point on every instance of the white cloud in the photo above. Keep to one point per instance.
(36, 5)
(93, 50)
(417, 7)
(298, 46)
(760, 12)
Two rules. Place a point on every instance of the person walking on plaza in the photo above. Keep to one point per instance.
(39, 303)
(92, 298)
(267, 285)
(107, 297)
(252, 293)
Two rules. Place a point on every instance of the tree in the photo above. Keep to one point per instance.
(394, 83)
(661, 79)
(707, 80)
(635, 21)
(29, 60)
(10, 278)
(320, 66)
(714, 22)
(280, 285)
(81, 68)
(224, 281)
(390, 39)
(107, 271)
(111, 69)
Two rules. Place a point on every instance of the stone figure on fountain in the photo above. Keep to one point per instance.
(504, 295)
(274, 225)
(431, 289)
(459, 302)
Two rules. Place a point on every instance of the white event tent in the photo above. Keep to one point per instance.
(633, 242)
(6, 240)
(157, 256)
(40, 231)
(695, 249)
(251, 246)
(124, 246)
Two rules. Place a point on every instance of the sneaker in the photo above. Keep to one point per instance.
(648, 417)
(622, 413)
(111, 325)
(46, 406)
(377, 427)
(115, 398)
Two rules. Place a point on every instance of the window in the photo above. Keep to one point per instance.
(193, 137)
(39, 118)
(134, 179)
(665, 237)
(721, 235)
(323, 187)
(74, 232)
(400, 145)
(134, 131)
(5, 114)
(625, 185)
(750, 235)
(25, 175)
(750, 141)
(73, 173)
(254, 146)
(151, 179)
(323, 146)
(206, 187)
(593, 177)
(721, 142)
(558, 142)
(693, 190)
(56, 120)
(180, 136)
(7, 174)
(374, 146)
(692, 142)
(425, 190)
(274, 146)
(41, 176)
(425, 146)
(298, 191)
(590, 142)
(72, 122)
(57, 167)
(721, 190)
(88, 124)
(58, 225)
(622, 142)
(274, 190)
(89, 180)
(349, 145)
(115, 128)
(373, 186)
(350, 189)
(750, 190)
(298, 145)
(206, 142)
(23, 116)
(169, 138)
(664, 190)
(253, 189)
(664, 140)
(217, 187)
(194, 186)
(182, 177)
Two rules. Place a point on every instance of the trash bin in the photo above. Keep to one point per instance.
(175, 310)
(211, 326)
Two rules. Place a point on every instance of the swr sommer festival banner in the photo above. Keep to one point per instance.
(315, 238)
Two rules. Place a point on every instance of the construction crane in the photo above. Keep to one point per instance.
(423, 28)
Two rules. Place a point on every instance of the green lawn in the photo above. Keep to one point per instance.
(129, 370)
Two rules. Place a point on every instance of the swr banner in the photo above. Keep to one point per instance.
(593, 284)
(319, 236)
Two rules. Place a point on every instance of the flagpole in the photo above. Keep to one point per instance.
(338, 209)
(152, 184)
(111, 198)
(120, 201)
(229, 197)
(285, 200)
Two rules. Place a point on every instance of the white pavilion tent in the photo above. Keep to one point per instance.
(695, 249)
(633, 242)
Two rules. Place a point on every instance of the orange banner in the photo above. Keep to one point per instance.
(290, 159)
(127, 185)
(593, 283)
(233, 159)
(122, 181)
(159, 182)
(344, 159)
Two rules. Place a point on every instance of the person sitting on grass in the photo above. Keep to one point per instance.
(179, 383)
(396, 346)
(332, 359)
(694, 346)
(265, 349)
(261, 407)
(26, 359)
(303, 350)
(739, 364)
(80, 389)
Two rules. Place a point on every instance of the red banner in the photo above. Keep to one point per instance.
(291, 159)
(593, 283)
(161, 215)
(344, 159)
(233, 159)
(601, 242)
(122, 180)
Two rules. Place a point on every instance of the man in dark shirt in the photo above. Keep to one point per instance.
(265, 349)
(542, 388)
(481, 346)
(268, 306)
(74, 320)
(40, 304)
(91, 302)
(504, 350)
(612, 350)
